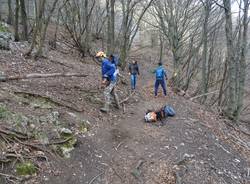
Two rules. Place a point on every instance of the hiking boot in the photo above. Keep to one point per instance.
(105, 109)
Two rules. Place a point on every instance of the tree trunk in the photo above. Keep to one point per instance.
(243, 53)
(10, 13)
(161, 46)
(112, 26)
(17, 21)
(108, 27)
(43, 28)
(86, 44)
(39, 9)
(24, 20)
(204, 80)
(231, 105)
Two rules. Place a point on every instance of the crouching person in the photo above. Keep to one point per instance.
(108, 81)
(159, 115)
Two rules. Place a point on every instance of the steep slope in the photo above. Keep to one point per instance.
(195, 146)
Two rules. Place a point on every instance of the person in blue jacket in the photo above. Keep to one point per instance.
(160, 76)
(115, 61)
(108, 80)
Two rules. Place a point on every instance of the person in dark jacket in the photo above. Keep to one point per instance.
(108, 80)
(133, 72)
(160, 76)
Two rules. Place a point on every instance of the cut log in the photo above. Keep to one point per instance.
(40, 75)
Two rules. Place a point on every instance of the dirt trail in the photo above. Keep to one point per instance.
(185, 150)
(193, 147)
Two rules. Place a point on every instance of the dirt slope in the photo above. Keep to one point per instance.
(195, 146)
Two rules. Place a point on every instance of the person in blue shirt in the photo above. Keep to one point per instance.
(108, 80)
(115, 61)
(160, 76)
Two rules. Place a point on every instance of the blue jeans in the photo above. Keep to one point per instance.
(133, 80)
(163, 85)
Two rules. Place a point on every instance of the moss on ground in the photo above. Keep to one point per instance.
(26, 168)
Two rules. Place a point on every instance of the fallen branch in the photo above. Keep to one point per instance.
(40, 75)
(127, 98)
(205, 94)
(57, 102)
(10, 176)
(136, 172)
(12, 133)
(61, 63)
(61, 141)
(34, 146)
(96, 177)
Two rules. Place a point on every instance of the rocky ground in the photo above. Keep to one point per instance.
(195, 146)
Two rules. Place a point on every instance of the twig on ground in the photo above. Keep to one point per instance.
(10, 176)
(116, 148)
(127, 98)
(91, 181)
(42, 75)
(205, 94)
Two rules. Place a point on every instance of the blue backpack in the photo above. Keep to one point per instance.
(169, 111)
(159, 73)
(116, 61)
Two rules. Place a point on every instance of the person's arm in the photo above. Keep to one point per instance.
(129, 69)
(137, 68)
(110, 70)
(165, 73)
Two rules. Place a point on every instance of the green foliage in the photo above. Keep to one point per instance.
(4, 112)
(26, 168)
(3, 28)
(84, 126)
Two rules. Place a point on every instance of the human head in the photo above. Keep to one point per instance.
(111, 57)
(160, 63)
(134, 61)
(100, 54)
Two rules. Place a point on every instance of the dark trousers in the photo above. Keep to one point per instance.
(163, 85)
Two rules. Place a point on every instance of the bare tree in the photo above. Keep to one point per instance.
(110, 8)
(10, 13)
(243, 52)
(17, 21)
(40, 26)
(77, 20)
(24, 20)
(132, 14)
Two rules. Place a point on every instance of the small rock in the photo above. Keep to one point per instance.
(66, 131)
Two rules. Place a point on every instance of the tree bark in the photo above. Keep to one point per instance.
(24, 20)
(204, 81)
(10, 13)
(242, 74)
(112, 26)
(108, 27)
(17, 21)
(86, 20)
(231, 105)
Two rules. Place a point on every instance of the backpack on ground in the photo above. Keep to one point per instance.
(169, 111)
(150, 117)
